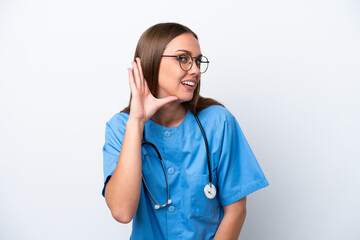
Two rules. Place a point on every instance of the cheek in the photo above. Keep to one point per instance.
(170, 74)
(164, 72)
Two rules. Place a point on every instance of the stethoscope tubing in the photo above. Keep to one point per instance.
(207, 187)
(167, 184)
(207, 148)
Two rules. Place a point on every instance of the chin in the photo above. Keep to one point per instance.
(185, 99)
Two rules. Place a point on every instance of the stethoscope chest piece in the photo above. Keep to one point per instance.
(210, 190)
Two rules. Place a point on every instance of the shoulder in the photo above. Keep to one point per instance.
(216, 115)
(118, 121)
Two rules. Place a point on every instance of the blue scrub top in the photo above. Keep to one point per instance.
(235, 173)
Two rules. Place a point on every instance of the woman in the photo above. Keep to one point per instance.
(190, 193)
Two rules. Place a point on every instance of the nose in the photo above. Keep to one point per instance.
(194, 70)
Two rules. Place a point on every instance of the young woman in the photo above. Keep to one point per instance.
(176, 163)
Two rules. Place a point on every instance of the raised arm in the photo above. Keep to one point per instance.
(122, 191)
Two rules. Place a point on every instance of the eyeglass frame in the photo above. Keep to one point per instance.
(192, 61)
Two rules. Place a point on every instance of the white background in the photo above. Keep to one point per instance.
(288, 71)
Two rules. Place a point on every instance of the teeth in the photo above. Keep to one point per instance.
(188, 83)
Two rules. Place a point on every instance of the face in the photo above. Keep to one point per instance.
(173, 81)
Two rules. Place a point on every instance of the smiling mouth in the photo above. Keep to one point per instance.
(188, 83)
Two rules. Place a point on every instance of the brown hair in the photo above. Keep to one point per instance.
(149, 49)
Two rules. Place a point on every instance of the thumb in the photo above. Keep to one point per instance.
(166, 100)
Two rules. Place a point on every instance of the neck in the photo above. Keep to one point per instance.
(170, 115)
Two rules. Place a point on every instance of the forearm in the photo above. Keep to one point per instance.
(122, 192)
(231, 226)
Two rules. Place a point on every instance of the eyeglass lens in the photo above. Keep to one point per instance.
(186, 62)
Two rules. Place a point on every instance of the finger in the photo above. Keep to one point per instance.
(131, 80)
(142, 80)
(136, 74)
(146, 87)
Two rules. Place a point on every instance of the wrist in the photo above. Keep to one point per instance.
(136, 122)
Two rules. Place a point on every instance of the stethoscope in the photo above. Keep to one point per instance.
(209, 189)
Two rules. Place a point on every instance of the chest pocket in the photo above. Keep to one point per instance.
(196, 203)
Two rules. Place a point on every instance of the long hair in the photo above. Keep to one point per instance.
(149, 49)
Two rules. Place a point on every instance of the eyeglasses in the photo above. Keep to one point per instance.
(186, 62)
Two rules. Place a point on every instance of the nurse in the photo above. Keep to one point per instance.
(165, 84)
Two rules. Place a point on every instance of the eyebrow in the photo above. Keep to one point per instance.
(187, 51)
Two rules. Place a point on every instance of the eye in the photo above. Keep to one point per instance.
(198, 62)
(183, 58)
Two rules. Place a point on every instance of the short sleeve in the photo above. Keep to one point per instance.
(239, 173)
(114, 135)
